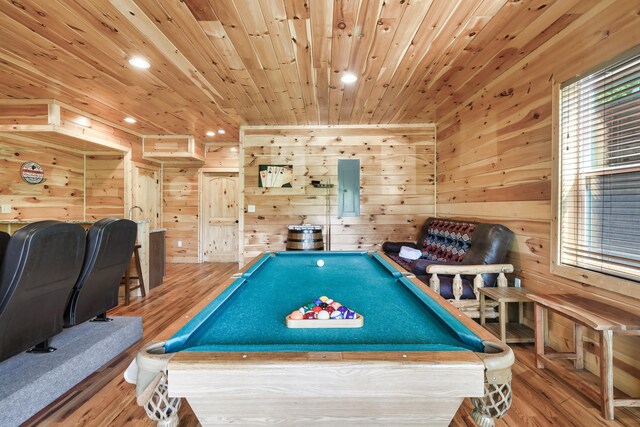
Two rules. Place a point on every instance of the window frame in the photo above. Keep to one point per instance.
(588, 277)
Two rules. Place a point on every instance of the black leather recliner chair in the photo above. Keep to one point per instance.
(41, 264)
(4, 241)
(110, 243)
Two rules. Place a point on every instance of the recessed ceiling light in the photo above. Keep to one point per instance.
(211, 133)
(348, 78)
(82, 121)
(130, 120)
(139, 62)
(221, 131)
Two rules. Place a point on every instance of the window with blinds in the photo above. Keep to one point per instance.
(599, 140)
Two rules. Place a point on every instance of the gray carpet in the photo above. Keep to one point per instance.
(29, 382)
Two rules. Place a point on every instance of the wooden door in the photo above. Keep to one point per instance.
(220, 218)
(147, 196)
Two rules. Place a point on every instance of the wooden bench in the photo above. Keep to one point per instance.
(604, 317)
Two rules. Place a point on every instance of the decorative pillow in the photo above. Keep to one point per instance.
(447, 240)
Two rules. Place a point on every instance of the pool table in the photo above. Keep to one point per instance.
(413, 361)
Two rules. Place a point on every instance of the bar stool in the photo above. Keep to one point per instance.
(128, 277)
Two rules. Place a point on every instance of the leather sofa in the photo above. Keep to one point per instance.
(457, 258)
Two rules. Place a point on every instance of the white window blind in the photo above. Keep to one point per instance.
(599, 220)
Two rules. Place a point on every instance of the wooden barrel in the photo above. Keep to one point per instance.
(305, 238)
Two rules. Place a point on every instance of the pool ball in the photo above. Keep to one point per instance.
(324, 305)
(336, 315)
(317, 309)
(330, 309)
(323, 299)
(318, 301)
(320, 263)
(336, 305)
(296, 315)
(323, 315)
(309, 315)
(350, 314)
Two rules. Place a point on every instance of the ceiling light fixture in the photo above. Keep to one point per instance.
(82, 121)
(211, 133)
(221, 131)
(139, 62)
(348, 78)
(130, 120)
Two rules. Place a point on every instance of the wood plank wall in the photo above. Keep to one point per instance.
(180, 204)
(222, 155)
(77, 187)
(494, 158)
(105, 192)
(396, 183)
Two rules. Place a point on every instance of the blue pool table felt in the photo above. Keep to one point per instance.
(249, 316)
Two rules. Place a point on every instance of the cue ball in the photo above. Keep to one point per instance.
(320, 263)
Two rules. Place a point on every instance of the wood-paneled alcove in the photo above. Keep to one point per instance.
(88, 163)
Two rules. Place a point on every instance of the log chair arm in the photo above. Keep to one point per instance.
(458, 270)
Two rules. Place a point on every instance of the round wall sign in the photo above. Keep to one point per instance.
(32, 172)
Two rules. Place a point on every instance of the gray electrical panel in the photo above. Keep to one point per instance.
(348, 187)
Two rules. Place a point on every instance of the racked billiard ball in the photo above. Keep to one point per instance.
(336, 315)
(323, 315)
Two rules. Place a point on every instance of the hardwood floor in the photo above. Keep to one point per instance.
(541, 398)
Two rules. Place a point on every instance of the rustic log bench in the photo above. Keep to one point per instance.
(602, 316)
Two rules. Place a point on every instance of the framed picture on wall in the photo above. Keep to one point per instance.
(275, 176)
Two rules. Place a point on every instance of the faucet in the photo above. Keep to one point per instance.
(131, 211)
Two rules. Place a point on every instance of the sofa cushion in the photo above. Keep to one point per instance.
(405, 263)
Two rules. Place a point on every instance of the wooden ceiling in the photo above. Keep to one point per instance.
(224, 63)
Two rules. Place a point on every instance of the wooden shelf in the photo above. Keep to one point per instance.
(516, 332)
(173, 149)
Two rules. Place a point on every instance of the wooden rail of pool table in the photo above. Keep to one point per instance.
(602, 316)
